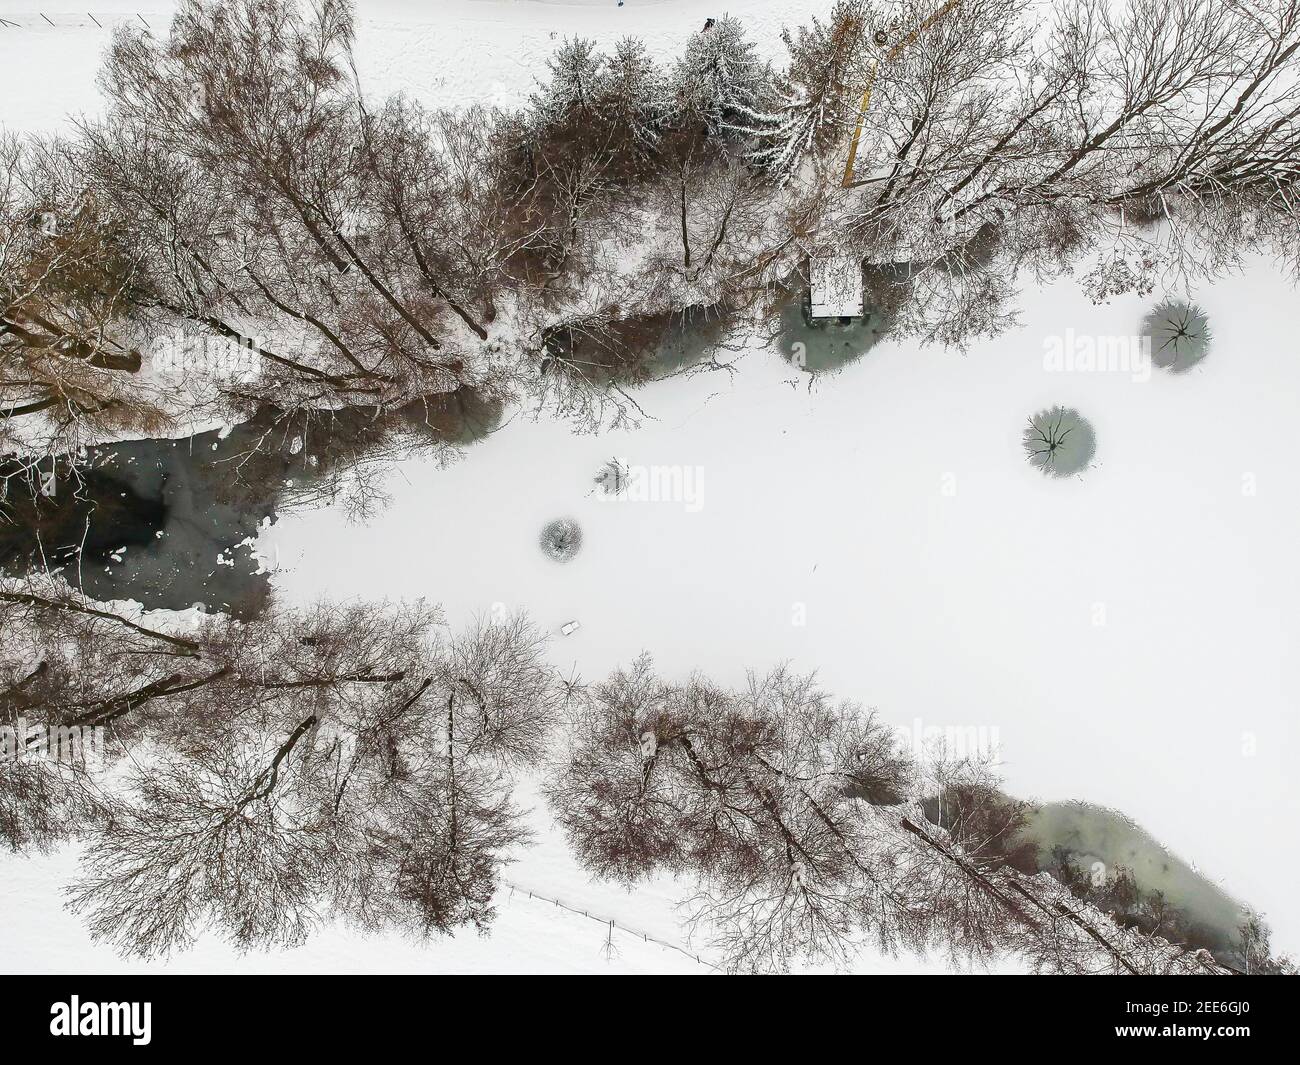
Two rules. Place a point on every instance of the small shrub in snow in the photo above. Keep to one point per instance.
(561, 539)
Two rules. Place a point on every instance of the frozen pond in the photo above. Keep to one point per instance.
(1128, 633)
(150, 520)
(1094, 835)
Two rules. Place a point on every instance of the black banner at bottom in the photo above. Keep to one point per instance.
(141, 1015)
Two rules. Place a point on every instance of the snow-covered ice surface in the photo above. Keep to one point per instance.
(1128, 633)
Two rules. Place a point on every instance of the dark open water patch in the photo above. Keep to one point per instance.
(826, 345)
(170, 522)
(605, 349)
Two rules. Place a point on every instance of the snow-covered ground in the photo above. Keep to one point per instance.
(1128, 634)
(443, 52)
(530, 934)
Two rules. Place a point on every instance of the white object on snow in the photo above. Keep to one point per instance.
(570, 627)
(836, 287)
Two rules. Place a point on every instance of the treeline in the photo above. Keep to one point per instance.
(360, 764)
(242, 187)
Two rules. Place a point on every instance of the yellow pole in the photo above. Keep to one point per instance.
(857, 132)
(871, 81)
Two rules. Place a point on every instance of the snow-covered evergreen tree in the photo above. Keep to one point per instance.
(635, 89)
(577, 77)
(719, 81)
(611, 102)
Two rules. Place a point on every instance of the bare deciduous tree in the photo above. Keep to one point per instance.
(344, 762)
(69, 300)
(808, 832)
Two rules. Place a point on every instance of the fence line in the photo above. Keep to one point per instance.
(610, 923)
(67, 21)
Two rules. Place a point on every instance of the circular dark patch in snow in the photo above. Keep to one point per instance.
(826, 345)
(1059, 441)
(561, 539)
(1180, 335)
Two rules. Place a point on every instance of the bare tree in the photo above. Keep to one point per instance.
(808, 831)
(749, 794)
(989, 147)
(343, 762)
(259, 95)
(70, 290)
